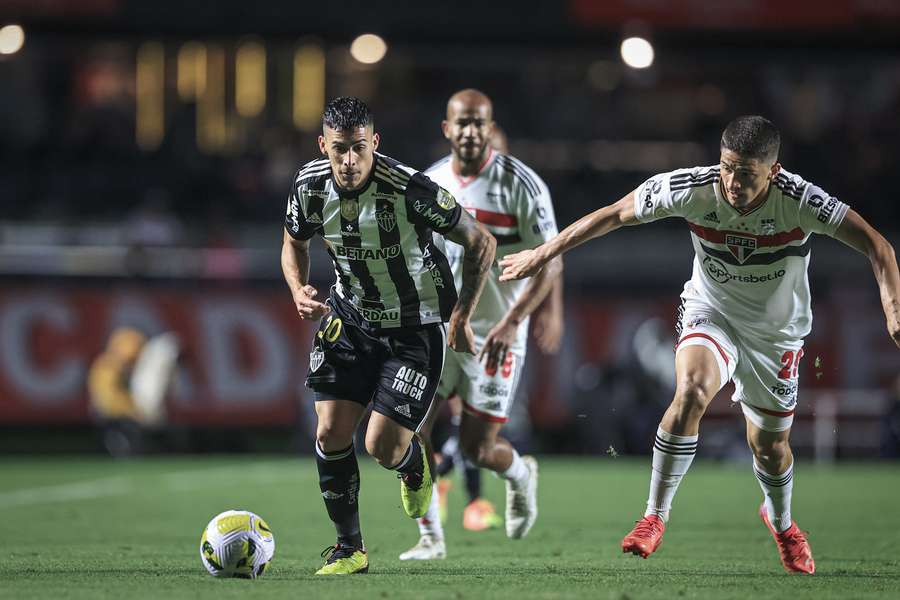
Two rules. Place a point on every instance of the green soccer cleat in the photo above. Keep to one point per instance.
(344, 560)
(415, 492)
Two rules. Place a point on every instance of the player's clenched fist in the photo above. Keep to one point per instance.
(521, 264)
(307, 307)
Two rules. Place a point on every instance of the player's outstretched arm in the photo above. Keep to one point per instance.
(295, 266)
(600, 222)
(480, 249)
(858, 234)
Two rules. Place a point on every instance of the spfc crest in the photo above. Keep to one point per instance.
(349, 208)
(386, 220)
(740, 246)
(316, 358)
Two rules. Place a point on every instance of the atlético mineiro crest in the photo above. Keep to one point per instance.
(740, 246)
(316, 358)
(386, 220)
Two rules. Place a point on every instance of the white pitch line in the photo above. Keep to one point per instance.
(79, 490)
(263, 472)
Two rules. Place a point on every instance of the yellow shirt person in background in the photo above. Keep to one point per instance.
(128, 384)
(110, 375)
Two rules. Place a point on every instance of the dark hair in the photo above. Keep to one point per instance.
(752, 136)
(346, 112)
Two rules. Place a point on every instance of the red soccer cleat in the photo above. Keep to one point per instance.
(645, 538)
(796, 555)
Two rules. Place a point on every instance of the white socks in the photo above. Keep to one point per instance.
(672, 456)
(517, 472)
(430, 524)
(777, 490)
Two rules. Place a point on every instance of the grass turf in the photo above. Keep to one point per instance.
(89, 528)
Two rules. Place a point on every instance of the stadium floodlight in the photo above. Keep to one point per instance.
(368, 48)
(637, 52)
(12, 38)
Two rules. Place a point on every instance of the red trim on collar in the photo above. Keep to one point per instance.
(464, 181)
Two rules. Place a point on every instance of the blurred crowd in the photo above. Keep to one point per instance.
(591, 127)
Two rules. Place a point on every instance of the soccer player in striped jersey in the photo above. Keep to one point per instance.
(745, 310)
(514, 203)
(381, 338)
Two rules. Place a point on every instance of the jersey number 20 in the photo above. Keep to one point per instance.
(790, 362)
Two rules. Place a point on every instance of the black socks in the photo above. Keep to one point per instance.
(339, 483)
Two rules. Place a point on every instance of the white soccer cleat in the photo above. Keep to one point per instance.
(521, 502)
(428, 548)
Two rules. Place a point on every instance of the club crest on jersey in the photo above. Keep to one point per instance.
(740, 246)
(349, 208)
(316, 358)
(386, 220)
(445, 199)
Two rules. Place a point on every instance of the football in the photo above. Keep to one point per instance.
(237, 543)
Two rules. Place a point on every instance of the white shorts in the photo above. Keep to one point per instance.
(765, 372)
(487, 395)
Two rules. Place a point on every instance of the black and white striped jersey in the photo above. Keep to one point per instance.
(389, 264)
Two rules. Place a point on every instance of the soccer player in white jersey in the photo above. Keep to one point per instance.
(381, 339)
(514, 204)
(746, 309)
(547, 327)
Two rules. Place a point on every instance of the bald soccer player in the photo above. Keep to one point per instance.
(514, 204)
(547, 327)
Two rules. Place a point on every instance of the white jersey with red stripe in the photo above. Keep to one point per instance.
(751, 266)
(514, 204)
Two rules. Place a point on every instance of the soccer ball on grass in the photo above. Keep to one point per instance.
(237, 543)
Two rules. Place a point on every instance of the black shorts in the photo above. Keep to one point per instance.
(398, 370)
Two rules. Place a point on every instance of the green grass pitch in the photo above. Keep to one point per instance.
(91, 528)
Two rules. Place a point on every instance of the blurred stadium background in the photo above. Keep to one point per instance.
(146, 150)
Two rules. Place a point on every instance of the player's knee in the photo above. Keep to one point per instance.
(693, 396)
(331, 440)
(385, 453)
(770, 454)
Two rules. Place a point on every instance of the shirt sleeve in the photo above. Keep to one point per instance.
(295, 221)
(537, 221)
(654, 199)
(820, 212)
(430, 205)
